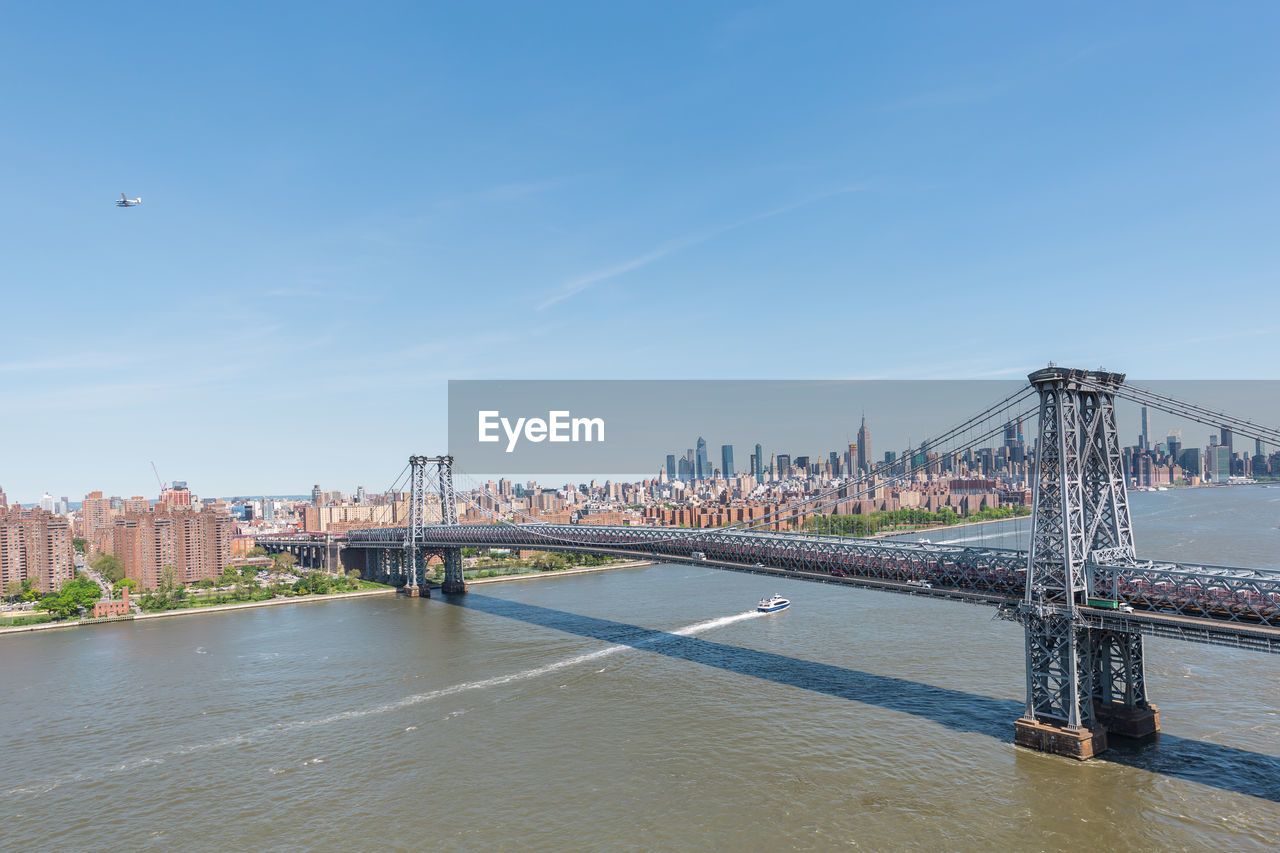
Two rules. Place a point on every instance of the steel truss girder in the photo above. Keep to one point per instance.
(1214, 593)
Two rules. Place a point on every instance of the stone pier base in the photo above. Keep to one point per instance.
(1130, 722)
(1078, 743)
(451, 587)
(408, 590)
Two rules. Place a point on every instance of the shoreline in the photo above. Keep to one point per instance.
(190, 611)
(582, 570)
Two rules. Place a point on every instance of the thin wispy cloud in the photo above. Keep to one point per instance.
(577, 285)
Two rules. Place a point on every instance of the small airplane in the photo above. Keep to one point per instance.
(128, 202)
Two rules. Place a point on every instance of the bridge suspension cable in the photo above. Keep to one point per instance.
(389, 498)
(1198, 413)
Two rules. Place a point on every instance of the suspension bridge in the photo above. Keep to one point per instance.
(1084, 597)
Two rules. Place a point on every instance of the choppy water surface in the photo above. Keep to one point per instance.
(630, 710)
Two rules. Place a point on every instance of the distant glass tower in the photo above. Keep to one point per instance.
(1142, 440)
(726, 460)
(1220, 457)
(759, 472)
(671, 466)
(702, 468)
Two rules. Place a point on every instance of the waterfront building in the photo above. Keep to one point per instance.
(196, 544)
(112, 607)
(1220, 462)
(35, 545)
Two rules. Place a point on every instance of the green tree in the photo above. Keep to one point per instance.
(78, 544)
(257, 551)
(109, 566)
(13, 589)
(284, 562)
(125, 582)
(74, 596)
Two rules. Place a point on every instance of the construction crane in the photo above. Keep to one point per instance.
(163, 486)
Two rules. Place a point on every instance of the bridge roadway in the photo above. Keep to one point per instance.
(1207, 604)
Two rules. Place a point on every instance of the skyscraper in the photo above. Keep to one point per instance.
(864, 445)
(1228, 439)
(1220, 462)
(671, 466)
(1143, 442)
(759, 472)
(701, 467)
(726, 460)
(317, 496)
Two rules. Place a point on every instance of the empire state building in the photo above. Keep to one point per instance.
(864, 445)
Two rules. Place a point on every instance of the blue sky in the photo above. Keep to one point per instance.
(345, 205)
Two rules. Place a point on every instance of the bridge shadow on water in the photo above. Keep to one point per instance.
(1224, 767)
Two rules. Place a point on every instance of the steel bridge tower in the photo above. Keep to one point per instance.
(415, 553)
(1082, 681)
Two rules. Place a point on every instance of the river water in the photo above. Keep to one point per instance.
(638, 709)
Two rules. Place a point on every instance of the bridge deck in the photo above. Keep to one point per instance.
(1230, 606)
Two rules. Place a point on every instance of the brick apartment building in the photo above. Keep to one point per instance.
(196, 544)
(35, 544)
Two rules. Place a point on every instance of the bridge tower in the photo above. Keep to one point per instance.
(415, 556)
(453, 580)
(1082, 681)
(415, 553)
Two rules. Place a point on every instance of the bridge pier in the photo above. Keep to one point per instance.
(1120, 685)
(454, 584)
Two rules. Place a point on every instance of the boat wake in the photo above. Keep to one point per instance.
(265, 732)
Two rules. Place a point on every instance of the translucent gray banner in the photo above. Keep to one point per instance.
(516, 427)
